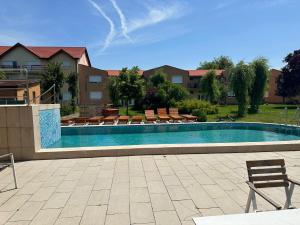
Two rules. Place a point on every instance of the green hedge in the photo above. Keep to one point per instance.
(187, 106)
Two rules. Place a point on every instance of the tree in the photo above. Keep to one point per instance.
(53, 75)
(288, 83)
(2, 75)
(220, 63)
(163, 93)
(72, 81)
(210, 87)
(241, 82)
(261, 70)
(128, 85)
(114, 92)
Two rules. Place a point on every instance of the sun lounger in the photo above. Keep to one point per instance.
(267, 174)
(136, 119)
(66, 122)
(149, 115)
(162, 114)
(173, 112)
(189, 117)
(110, 119)
(96, 120)
(80, 120)
(123, 119)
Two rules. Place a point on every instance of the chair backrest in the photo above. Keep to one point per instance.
(162, 111)
(173, 111)
(149, 113)
(267, 173)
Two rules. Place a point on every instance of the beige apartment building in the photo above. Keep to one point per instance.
(36, 58)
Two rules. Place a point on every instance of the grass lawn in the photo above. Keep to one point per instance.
(268, 113)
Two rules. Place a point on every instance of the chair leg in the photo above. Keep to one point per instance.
(254, 204)
(289, 193)
(249, 201)
(13, 169)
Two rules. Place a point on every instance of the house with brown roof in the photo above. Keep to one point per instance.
(36, 58)
(14, 91)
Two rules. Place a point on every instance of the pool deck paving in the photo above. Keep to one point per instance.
(148, 190)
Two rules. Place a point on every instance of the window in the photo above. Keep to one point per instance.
(95, 95)
(231, 94)
(9, 64)
(95, 79)
(66, 96)
(178, 79)
(66, 64)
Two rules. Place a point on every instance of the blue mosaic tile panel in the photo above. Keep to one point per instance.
(49, 127)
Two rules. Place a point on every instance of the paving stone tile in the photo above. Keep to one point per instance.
(30, 188)
(166, 217)
(117, 219)
(72, 211)
(66, 186)
(211, 212)
(14, 203)
(118, 205)
(137, 182)
(186, 210)
(139, 195)
(228, 205)
(171, 180)
(57, 200)
(141, 213)
(18, 223)
(156, 187)
(94, 215)
(103, 183)
(43, 194)
(177, 193)
(200, 197)
(161, 202)
(4, 216)
(68, 221)
(99, 197)
(46, 217)
(27, 211)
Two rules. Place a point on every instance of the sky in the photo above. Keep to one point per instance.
(152, 33)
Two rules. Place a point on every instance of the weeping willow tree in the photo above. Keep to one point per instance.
(241, 83)
(72, 81)
(210, 86)
(261, 71)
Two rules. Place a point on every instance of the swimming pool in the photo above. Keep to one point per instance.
(126, 135)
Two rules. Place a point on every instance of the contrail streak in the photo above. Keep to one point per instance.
(111, 34)
(122, 19)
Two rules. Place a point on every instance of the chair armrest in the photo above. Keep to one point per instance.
(6, 155)
(276, 205)
(294, 181)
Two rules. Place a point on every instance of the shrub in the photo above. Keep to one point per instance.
(187, 106)
(66, 110)
(201, 114)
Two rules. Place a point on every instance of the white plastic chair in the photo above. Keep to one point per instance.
(9, 164)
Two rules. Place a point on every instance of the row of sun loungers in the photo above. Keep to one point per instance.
(162, 116)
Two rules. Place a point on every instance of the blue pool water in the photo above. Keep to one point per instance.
(174, 134)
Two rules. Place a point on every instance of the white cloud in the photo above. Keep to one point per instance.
(224, 4)
(155, 15)
(122, 19)
(111, 34)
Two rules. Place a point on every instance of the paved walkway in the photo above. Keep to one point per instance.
(148, 190)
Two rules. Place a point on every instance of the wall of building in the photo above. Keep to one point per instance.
(20, 129)
(21, 55)
(83, 60)
(88, 106)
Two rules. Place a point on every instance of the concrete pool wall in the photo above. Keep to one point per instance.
(21, 127)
